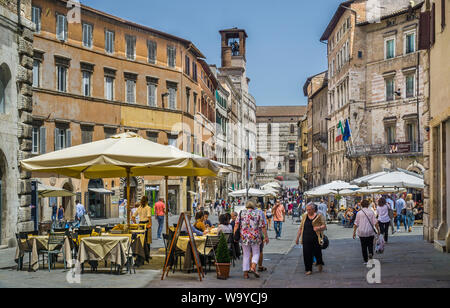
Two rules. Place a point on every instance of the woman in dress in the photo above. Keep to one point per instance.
(251, 225)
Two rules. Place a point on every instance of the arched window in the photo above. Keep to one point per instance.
(292, 128)
(269, 129)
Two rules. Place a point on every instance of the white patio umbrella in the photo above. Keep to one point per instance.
(371, 190)
(332, 188)
(396, 179)
(252, 192)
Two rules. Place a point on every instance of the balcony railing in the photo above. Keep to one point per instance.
(397, 148)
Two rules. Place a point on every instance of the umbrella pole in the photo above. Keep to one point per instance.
(128, 198)
(167, 203)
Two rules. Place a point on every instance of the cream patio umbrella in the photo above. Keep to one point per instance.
(45, 191)
(123, 155)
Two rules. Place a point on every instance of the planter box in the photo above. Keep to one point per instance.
(223, 270)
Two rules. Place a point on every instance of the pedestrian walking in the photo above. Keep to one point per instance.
(279, 216)
(60, 216)
(391, 208)
(383, 218)
(310, 235)
(268, 213)
(54, 210)
(80, 212)
(366, 227)
(322, 209)
(409, 212)
(400, 205)
(160, 210)
(261, 268)
(251, 225)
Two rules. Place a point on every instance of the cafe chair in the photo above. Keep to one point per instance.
(25, 247)
(177, 253)
(130, 258)
(211, 242)
(56, 239)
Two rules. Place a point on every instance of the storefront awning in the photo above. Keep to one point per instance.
(101, 191)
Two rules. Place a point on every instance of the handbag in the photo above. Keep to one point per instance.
(237, 234)
(325, 243)
(403, 212)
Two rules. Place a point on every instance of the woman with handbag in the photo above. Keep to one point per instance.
(310, 235)
(248, 228)
(364, 228)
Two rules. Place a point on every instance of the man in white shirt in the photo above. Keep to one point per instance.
(80, 211)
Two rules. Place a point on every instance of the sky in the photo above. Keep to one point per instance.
(283, 47)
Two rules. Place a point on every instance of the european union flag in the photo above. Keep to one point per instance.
(347, 131)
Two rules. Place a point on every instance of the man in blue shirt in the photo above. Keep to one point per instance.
(399, 206)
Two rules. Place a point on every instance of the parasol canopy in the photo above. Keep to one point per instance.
(397, 179)
(333, 188)
(46, 191)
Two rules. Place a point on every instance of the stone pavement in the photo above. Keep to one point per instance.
(407, 262)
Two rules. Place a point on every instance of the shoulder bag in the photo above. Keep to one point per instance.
(375, 230)
(237, 234)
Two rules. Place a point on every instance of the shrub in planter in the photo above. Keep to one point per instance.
(223, 258)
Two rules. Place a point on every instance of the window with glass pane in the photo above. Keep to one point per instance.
(173, 141)
(62, 78)
(109, 41)
(410, 43)
(194, 71)
(410, 86)
(109, 88)
(187, 64)
(87, 35)
(151, 52)
(171, 56)
(36, 18)
(390, 89)
(61, 27)
(36, 73)
(291, 146)
(172, 98)
(131, 47)
(390, 132)
(86, 83)
(35, 149)
(131, 91)
(151, 94)
(390, 49)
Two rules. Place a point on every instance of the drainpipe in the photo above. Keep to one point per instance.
(418, 118)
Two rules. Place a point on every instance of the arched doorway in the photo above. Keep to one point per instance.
(67, 202)
(1, 200)
(96, 200)
(359, 172)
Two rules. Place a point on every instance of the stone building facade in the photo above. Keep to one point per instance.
(100, 75)
(376, 83)
(278, 143)
(435, 39)
(16, 63)
(316, 89)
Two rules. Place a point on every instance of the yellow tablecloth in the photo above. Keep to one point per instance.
(200, 242)
(108, 248)
(38, 243)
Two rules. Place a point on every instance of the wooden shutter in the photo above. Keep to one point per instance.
(65, 27)
(68, 138)
(424, 31)
(42, 140)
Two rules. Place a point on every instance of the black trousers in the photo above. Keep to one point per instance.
(311, 249)
(367, 247)
(384, 229)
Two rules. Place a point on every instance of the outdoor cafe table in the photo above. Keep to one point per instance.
(200, 242)
(38, 243)
(108, 248)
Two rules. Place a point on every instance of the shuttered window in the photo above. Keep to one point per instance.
(410, 86)
(63, 138)
(131, 91)
(87, 83)
(410, 43)
(131, 47)
(151, 52)
(194, 71)
(390, 89)
(151, 88)
(36, 73)
(187, 64)
(109, 88)
(35, 138)
(171, 56)
(62, 78)
(61, 27)
(173, 98)
(390, 48)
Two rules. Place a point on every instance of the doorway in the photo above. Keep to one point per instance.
(67, 202)
(96, 200)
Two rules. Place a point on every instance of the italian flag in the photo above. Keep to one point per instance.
(340, 132)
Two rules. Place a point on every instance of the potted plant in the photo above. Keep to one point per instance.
(223, 259)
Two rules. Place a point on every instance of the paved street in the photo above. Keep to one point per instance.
(408, 261)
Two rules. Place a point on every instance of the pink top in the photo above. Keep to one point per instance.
(279, 212)
(365, 229)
